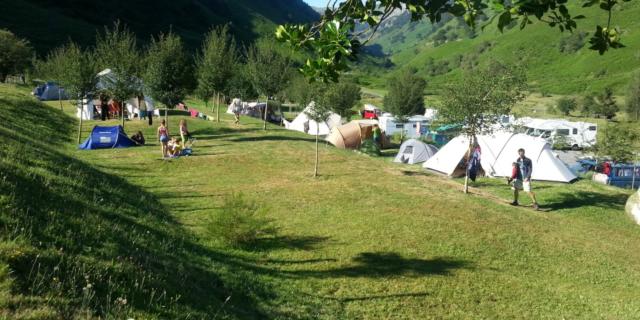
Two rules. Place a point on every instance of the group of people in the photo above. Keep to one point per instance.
(170, 146)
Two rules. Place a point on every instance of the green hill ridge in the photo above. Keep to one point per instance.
(557, 62)
(48, 23)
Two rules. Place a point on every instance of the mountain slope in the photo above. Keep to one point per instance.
(556, 62)
(48, 23)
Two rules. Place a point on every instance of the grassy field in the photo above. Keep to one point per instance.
(121, 233)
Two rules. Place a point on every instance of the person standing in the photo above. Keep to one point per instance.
(377, 136)
(163, 136)
(150, 110)
(184, 132)
(142, 107)
(523, 179)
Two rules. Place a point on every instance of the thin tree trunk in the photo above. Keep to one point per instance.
(213, 105)
(315, 171)
(80, 124)
(266, 106)
(166, 115)
(218, 109)
(466, 172)
(123, 106)
(60, 98)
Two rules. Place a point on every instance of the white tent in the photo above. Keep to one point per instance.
(237, 105)
(414, 151)
(86, 112)
(133, 108)
(322, 129)
(498, 152)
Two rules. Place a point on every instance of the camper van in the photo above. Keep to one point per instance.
(414, 127)
(576, 134)
(371, 112)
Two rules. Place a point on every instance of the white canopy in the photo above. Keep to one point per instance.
(322, 129)
(498, 152)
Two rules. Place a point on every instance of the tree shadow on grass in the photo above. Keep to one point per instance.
(577, 199)
(271, 138)
(276, 242)
(414, 173)
(212, 133)
(384, 264)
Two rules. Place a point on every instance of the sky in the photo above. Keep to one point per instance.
(316, 3)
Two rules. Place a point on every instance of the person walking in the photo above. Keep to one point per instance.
(522, 179)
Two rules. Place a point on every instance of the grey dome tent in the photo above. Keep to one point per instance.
(49, 91)
(414, 151)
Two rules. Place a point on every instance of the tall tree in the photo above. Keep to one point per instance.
(168, 76)
(240, 85)
(116, 50)
(405, 97)
(477, 101)
(270, 70)
(300, 91)
(75, 69)
(607, 105)
(341, 97)
(566, 105)
(216, 64)
(589, 105)
(633, 97)
(617, 141)
(15, 54)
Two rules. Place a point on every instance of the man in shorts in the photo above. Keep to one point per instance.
(523, 179)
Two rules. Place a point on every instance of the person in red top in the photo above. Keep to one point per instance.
(606, 168)
(514, 172)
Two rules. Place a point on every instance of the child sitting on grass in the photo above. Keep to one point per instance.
(174, 147)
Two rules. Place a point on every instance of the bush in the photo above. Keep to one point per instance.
(561, 143)
(15, 54)
(240, 222)
(566, 105)
(573, 42)
(551, 109)
(369, 147)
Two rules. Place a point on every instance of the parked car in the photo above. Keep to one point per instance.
(620, 175)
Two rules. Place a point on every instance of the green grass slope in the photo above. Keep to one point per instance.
(537, 47)
(49, 23)
(84, 230)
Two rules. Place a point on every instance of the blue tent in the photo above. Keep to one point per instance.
(49, 91)
(107, 137)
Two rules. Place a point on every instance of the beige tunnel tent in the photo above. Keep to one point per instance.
(350, 135)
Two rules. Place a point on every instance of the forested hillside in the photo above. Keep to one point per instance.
(557, 62)
(48, 23)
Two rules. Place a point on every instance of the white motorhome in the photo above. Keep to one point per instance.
(576, 134)
(414, 127)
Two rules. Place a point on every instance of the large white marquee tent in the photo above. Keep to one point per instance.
(498, 152)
